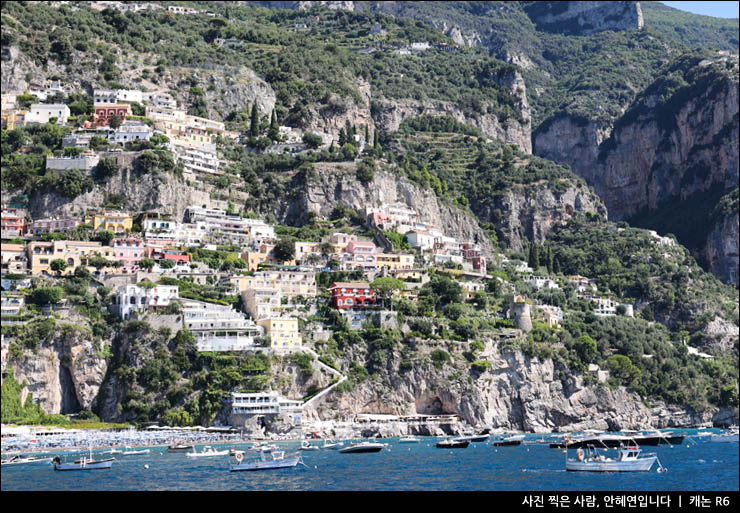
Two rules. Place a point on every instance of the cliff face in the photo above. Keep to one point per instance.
(721, 249)
(389, 113)
(335, 184)
(66, 373)
(677, 141)
(163, 192)
(515, 393)
(585, 17)
(529, 212)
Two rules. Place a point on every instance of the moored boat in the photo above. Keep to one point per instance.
(408, 440)
(134, 452)
(508, 441)
(628, 460)
(306, 446)
(328, 444)
(452, 444)
(207, 452)
(269, 459)
(83, 464)
(180, 447)
(473, 438)
(19, 460)
(362, 447)
(729, 436)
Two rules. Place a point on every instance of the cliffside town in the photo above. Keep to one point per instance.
(217, 234)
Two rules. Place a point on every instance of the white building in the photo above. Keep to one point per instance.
(130, 131)
(196, 160)
(11, 304)
(132, 298)
(129, 95)
(43, 112)
(220, 327)
(104, 96)
(266, 403)
(541, 282)
(421, 239)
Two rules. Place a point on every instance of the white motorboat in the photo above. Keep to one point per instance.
(19, 460)
(207, 452)
(362, 447)
(306, 446)
(628, 460)
(328, 444)
(473, 438)
(135, 452)
(269, 459)
(408, 440)
(728, 436)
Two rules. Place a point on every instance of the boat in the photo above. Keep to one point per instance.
(328, 444)
(473, 438)
(729, 436)
(269, 459)
(362, 447)
(207, 452)
(135, 452)
(508, 441)
(603, 440)
(83, 463)
(306, 446)
(180, 448)
(408, 440)
(452, 444)
(18, 460)
(657, 438)
(628, 460)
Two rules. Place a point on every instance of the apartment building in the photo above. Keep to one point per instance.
(283, 333)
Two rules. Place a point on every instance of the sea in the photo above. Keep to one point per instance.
(695, 465)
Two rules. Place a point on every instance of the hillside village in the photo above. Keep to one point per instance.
(230, 280)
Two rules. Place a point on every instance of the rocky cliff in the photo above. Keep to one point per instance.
(677, 141)
(721, 248)
(163, 192)
(516, 393)
(528, 212)
(66, 371)
(585, 18)
(335, 184)
(389, 113)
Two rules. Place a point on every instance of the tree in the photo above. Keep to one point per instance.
(99, 262)
(342, 137)
(284, 250)
(274, 132)
(58, 265)
(106, 167)
(47, 295)
(312, 140)
(147, 263)
(586, 348)
(375, 140)
(534, 259)
(254, 124)
(105, 237)
(385, 287)
(115, 121)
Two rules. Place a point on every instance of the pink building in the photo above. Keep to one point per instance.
(129, 251)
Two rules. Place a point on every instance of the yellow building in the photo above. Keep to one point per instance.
(394, 262)
(12, 118)
(303, 249)
(285, 282)
(74, 253)
(184, 129)
(283, 332)
(265, 255)
(116, 222)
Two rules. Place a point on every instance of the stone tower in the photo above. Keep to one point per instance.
(519, 311)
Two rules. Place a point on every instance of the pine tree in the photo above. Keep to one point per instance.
(254, 127)
(534, 259)
(555, 265)
(367, 135)
(375, 140)
(274, 132)
(342, 137)
(549, 262)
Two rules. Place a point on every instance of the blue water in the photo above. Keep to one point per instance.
(695, 465)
